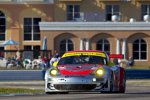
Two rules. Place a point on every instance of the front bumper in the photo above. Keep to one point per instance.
(75, 83)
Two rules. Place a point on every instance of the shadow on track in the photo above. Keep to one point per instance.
(139, 93)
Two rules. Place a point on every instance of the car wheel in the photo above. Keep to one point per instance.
(51, 92)
(122, 86)
(63, 92)
(111, 84)
(56, 92)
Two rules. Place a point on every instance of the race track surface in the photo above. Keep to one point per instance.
(133, 92)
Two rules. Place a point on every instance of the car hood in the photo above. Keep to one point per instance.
(77, 69)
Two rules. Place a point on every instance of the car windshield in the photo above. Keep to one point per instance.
(82, 60)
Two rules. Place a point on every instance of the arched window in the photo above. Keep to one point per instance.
(66, 45)
(103, 45)
(2, 26)
(139, 49)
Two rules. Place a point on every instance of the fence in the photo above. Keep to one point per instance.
(13, 75)
(25, 53)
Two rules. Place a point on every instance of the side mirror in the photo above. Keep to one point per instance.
(55, 64)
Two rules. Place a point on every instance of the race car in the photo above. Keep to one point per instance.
(84, 71)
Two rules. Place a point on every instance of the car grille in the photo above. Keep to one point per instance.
(74, 86)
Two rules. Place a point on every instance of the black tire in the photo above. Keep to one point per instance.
(50, 92)
(111, 84)
(56, 92)
(124, 84)
(63, 92)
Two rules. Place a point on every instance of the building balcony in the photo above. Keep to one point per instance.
(25, 1)
(126, 0)
(114, 0)
(106, 0)
(70, 0)
(99, 0)
(110, 0)
(97, 26)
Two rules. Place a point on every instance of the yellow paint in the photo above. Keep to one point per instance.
(55, 64)
(111, 64)
(84, 53)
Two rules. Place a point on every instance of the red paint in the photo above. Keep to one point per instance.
(84, 72)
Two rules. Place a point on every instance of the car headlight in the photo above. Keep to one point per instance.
(53, 72)
(99, 72)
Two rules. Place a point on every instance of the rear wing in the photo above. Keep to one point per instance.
(116, 56)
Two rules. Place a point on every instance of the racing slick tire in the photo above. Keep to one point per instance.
(111, 84)
(57, 92)
(50, 93)
(122, 84)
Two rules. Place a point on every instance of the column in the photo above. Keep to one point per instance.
(118, 46)
(124, 48)
(81, 44)
(87, 44)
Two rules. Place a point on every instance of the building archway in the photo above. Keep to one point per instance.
(64, 42)
(138, 46)
(103, 45)
(102, 41)
(139, 51)
(65, 45)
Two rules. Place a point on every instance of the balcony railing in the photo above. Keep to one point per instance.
(107, 26)
(70, 0)
(110, 0)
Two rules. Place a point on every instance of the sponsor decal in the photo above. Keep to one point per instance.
(84, 53)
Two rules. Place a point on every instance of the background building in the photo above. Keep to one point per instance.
(114, 26)
(19, 21)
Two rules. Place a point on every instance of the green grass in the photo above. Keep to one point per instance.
(19, 91)
(15, 68)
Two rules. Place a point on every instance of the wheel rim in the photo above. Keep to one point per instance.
(111, 84)
(124, 83)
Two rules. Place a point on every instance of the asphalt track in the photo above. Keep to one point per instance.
(135, 91)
